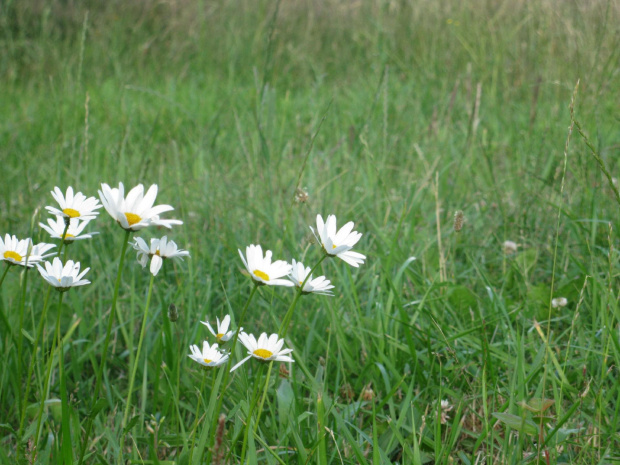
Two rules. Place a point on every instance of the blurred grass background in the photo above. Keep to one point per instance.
(428, 108)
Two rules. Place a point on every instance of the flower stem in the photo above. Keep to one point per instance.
(48, 374)
(248, 422)
(37, 339)
(137, 358)
(20, 334)
(289, 313)
(66, 446)
(6, 270)
(106, 343)
(220, 401)
(202, 386)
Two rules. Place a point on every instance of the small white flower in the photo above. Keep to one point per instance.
(320, 285)
(136, 211)
(22, 252)
(338, 244)
(266, 349)
(64, 277)
(159, 249)
(446, 407)
(210, 356)
(56, 229)
(262, 270)
(222, 335)
(559, 302)
(510, 247)
(74, 206)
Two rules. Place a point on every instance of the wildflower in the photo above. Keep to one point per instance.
(559, 302)
(222, 335)
(210, 356)
(262, 270)
(22, 252)
(159, 249)
(57, 227)
(339, 243)
(266, 349)
(64, 277)
(510, 247)
(319, 285)
(445, 408)
(136, 211)
(74, 206)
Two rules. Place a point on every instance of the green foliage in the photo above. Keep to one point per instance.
(254, 116)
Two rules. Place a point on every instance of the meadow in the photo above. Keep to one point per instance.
(475, 146)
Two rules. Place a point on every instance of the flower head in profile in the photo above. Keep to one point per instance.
(223, 334)
(559, 302)
(338, 243)
(64, 277)
(136, 211)
(74, 206)
(56, 229)
(209, 356)
(320, 285)
(510, 247)
(261, 270)
(157, 251)
(21, 252)
(266, 349)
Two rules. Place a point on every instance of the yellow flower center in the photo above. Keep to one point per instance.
(132, 218)
(14, 255)
(301, 283)
(71, 213)
(333, 246)
(68, 236)
(206, 360)
(263, 353)
(262, 275)
(157, 253)
(219, 336)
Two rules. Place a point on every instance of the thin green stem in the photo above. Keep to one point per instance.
(37, 339)
(202, 386)
(220, 400)
(289, 313)
(66, 446)
(48, 375)
(106, 343)
(253, 403)
(20, 334)
(136, 360)
(6, 270)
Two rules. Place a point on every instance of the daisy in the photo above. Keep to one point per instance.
(339, 243)
(74, 206)
(266, 349)
(22, 252)
(222, 335)
(136, 211)
(64, 277)
(159, 249)
(559, 302)
(210, 356)
(56, 229)
(262, 270)
(320, 285)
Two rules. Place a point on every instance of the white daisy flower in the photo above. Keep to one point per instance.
(222, 335)
(320, 285)
(64, 277)
(266, 349)
(136, 211)
(339, 243)
(159, 249)
(74, 206)
(210, 356)
(22, 252)
(56, 229)
(262, 270)
(510, 247)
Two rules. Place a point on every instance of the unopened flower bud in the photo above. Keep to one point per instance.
(459, 219)
(173, 313)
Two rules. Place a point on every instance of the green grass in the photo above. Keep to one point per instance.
(406, 112)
